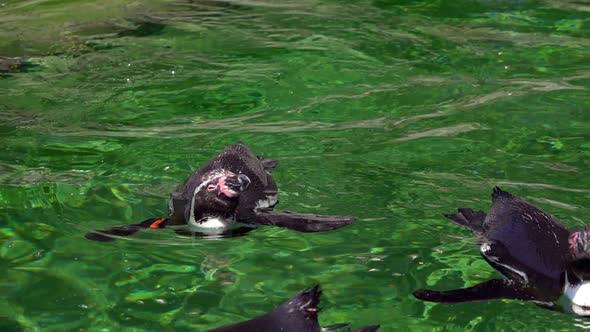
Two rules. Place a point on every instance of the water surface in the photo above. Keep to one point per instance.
(393, 111)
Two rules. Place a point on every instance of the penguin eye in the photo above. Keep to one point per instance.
(211, 187)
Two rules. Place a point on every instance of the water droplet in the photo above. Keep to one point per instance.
(128, 80)
(128, 65)
(160, 301)
(173, 72)
(505, 67)
(166, 168)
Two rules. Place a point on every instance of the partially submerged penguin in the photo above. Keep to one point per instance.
(298, 314)
(232, 194)
(10, 65)
(14, 65)
(540, 259)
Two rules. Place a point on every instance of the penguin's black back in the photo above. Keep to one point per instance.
(534, 238)
(298, 314)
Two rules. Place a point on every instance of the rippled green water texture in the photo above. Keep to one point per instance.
(393, 111)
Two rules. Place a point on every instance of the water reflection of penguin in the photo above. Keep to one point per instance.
(232, 193)
(539, 257)
(298, 314)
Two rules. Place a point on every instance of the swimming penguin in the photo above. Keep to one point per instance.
(298, 314)
(10, 65)
(539, 257)
(233, 193)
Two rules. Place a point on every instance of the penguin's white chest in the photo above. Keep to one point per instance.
(216, 222)
(212, 225)
(579, 295)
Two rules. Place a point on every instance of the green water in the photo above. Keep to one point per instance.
(393, 111)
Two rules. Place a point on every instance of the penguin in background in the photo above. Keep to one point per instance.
(542, 262)
(232, 194)
(298, 314)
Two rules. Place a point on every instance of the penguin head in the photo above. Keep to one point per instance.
(217, 196)
(579, 254)
(578, 271)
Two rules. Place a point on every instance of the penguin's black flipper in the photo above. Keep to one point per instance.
(110, 234)
(473, 220)
(302, 222)
(494, 289)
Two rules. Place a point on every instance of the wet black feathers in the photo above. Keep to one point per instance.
(493, 289)
(521, 241)
(498, 193)
(298, 314)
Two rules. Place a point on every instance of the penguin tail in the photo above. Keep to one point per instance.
(268, 164)
(303, 222)
(112, 233)
(468, 218)
(498, 193)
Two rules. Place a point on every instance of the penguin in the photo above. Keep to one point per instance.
(232, 194)
(542, 262)
(298, 314)
(14, 65)
(8, 65)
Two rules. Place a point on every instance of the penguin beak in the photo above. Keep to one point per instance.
(244, 181)
(232, 186)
